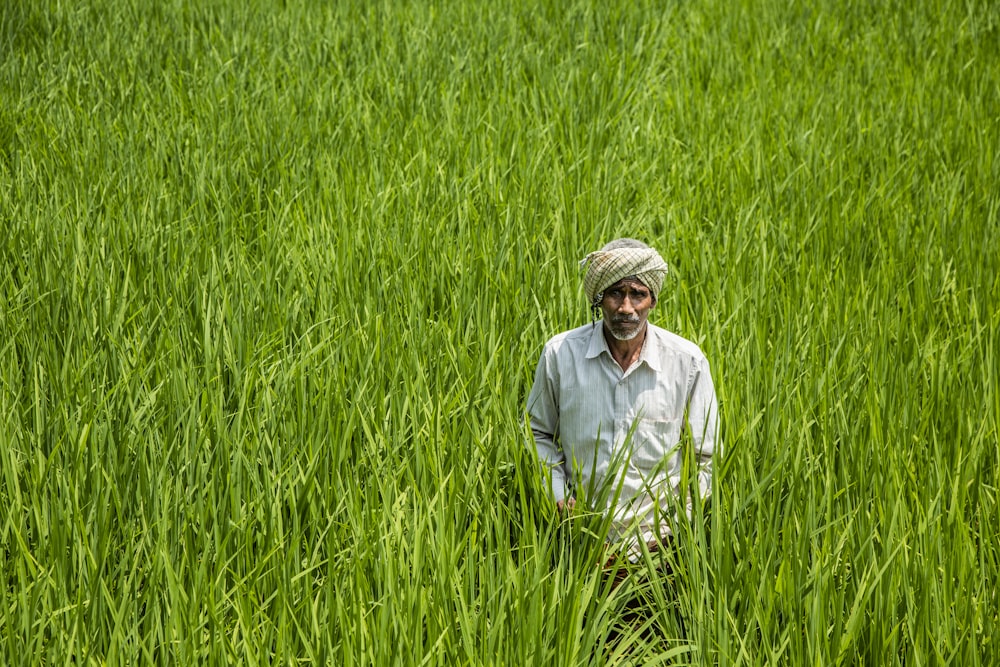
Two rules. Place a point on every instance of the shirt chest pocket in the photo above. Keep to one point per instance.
(655, 444)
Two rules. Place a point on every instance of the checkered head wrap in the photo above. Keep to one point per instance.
(624, 258)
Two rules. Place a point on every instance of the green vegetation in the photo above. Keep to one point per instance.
(274, 278)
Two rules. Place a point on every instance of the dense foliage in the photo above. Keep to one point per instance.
(274, 278)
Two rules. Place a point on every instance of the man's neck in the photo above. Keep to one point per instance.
(626, 352)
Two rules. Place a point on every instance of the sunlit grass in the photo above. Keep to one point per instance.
(274, 281)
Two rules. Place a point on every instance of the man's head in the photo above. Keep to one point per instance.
(623, 279)
(626, 306)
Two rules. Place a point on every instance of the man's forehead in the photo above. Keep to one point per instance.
(629, 281)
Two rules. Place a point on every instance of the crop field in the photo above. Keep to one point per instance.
(274, 278)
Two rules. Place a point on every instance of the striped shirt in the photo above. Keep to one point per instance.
(595, 424)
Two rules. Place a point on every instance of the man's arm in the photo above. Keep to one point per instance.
(703, 420)
(543, 414)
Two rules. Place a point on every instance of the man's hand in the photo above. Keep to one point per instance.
(566, 505)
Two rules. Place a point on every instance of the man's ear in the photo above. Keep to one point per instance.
(654, 302)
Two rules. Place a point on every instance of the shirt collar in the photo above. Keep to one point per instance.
(648, 354)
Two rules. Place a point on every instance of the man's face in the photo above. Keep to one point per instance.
(626, 305)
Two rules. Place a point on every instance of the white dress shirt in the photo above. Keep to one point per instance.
(590, 418)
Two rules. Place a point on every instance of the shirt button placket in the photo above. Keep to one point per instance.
(621, 408)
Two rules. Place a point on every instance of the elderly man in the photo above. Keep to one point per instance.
(610, 400)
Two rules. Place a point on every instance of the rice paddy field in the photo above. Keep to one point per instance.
(274, 277)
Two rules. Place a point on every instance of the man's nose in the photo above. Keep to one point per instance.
(626, 306)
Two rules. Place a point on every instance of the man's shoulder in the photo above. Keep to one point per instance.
(670, 343)
(579, 336)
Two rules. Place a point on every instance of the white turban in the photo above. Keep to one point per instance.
(606, 267)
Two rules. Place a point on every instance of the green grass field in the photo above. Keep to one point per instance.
(274, 278)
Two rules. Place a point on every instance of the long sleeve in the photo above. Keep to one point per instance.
(703, 419)
(543, 414)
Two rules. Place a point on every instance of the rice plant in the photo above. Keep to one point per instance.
(275, 277)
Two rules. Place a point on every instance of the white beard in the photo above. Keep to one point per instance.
(624, 335)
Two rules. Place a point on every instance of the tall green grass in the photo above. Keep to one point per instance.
(275, 277)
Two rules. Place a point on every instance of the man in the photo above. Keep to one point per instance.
(610, 400)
